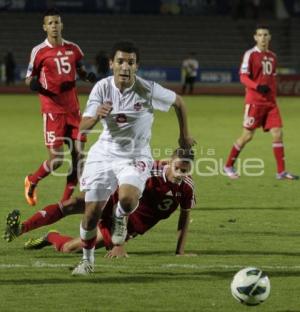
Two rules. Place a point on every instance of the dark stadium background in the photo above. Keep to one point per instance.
(166, 31)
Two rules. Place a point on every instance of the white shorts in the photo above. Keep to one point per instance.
(101, 178)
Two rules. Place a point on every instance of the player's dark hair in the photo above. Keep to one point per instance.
(261, 26)
(125, 46)
(184, 154)
(51, 12)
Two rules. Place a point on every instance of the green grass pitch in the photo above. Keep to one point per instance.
(252, 221)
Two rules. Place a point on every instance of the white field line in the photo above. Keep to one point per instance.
(40, 264)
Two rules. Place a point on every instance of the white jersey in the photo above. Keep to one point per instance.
(127, 129)
(190, 66)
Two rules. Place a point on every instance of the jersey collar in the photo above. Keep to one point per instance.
(50, 45)
(126, 90)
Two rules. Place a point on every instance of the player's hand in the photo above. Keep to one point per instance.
(263, 89)
(67, 85)
(104, 110)
(91, 77)
(117, 252)
(186, 142)
(36, 86)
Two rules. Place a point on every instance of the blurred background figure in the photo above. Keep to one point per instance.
(10, 66)
(189, 67)
(102, 65)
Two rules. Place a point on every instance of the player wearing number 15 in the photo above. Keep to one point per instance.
(258, 75)
(52, 73)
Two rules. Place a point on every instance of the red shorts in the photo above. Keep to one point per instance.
(60, 128)
(257, 116)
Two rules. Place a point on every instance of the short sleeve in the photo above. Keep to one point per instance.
(245, 66)
(162, 98)
(188, 201)
(78, 52)
(94, 101)
(32, 66)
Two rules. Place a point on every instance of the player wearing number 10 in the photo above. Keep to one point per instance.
(258, 74)
(52, 73)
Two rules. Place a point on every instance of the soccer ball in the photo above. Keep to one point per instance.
(250, 286)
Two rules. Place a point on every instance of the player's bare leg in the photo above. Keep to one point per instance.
(128, 201)
(61, 243)
(278, 150)
(55, 161)
(246, 137)
(88, 235)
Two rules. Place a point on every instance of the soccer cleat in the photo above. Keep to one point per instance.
(85, 267)
(38, 243)
(231, 173)
(286, 176)
(119, 230)
(30, 192)
(13, 227)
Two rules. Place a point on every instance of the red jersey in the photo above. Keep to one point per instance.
(259, 68)
(160, 199)
(54, 65)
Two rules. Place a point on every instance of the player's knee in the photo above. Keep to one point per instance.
(128, 203)
(277, 134)
(66, 249)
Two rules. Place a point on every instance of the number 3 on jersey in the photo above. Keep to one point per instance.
(166, 204)
(267, 67)
(63, 65)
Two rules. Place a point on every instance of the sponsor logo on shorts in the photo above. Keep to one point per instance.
(137, 106)
(140, 165)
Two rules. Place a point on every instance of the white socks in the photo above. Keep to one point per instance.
(88, 254)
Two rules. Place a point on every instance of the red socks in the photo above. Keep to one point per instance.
(278, 150)
(69, 189)
(40, 174)
(48, 215)
(234, 153)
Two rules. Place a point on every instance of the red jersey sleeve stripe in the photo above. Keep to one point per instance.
(33, 54)
(245, 63)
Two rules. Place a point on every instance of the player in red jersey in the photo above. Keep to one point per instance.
(258, 75)
(52, 73)
(168, 187)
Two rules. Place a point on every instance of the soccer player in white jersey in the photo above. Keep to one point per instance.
(121, 157)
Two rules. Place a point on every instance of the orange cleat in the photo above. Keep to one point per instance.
(30, 192)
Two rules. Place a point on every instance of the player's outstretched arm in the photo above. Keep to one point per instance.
(185, 140)
(87, 123)
(183, 224)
